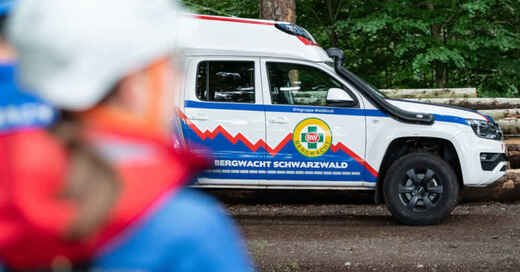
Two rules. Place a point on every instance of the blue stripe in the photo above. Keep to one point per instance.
(284, 108)
(324, 110)
(450, 119)
(308, 109)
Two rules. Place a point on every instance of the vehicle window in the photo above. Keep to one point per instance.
(226, 81)
(295, 84)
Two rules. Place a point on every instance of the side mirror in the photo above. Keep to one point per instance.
(339, 98)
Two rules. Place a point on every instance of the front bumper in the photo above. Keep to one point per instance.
(483, 161)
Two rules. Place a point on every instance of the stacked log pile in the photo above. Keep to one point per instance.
(477, 103)
(431, 93)
(507, 189)
(505, 111)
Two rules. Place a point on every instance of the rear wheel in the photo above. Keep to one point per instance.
(420, 189)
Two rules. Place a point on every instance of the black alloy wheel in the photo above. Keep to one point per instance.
(420, 189)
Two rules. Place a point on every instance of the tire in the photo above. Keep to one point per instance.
(420, 189)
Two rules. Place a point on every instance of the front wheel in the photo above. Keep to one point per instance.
(420, 189)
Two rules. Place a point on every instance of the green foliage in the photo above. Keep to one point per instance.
(412, 44)
(242, 8)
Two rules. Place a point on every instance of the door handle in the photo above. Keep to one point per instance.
(279, 120)
(198, 117)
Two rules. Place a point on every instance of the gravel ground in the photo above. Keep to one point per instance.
(341, 231)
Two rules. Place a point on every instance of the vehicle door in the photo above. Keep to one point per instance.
(224, 114)
(315, 126)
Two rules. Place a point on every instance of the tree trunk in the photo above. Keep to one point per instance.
(333, 37)
(278, 10)
(437, 37)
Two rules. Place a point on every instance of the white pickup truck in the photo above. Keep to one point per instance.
(279, 112)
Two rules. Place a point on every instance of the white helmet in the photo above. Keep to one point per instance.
(72, 52)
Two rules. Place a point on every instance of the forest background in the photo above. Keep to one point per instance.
(401, 44)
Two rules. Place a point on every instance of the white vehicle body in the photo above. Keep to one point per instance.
(275, 140)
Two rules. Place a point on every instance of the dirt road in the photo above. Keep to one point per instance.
(304, 231)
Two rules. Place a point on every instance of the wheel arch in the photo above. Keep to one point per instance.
(399, 147)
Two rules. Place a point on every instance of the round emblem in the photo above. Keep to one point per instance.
(312, 137)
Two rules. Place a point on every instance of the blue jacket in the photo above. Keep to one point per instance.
(18, 109)
(189, 233)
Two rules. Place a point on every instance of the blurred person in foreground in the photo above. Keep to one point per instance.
(101, 190)
(19, 110)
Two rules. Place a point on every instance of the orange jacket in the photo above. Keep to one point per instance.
(33, 170)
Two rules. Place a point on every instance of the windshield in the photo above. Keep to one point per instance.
(330, 64)
(370, 87)
(373, 89)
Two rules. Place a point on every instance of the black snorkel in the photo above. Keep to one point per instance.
(378, 101)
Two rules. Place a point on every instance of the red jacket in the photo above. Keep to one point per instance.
(33, 167)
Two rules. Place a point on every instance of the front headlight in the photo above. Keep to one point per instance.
(485, 129)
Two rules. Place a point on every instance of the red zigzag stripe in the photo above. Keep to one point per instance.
(261, 143)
